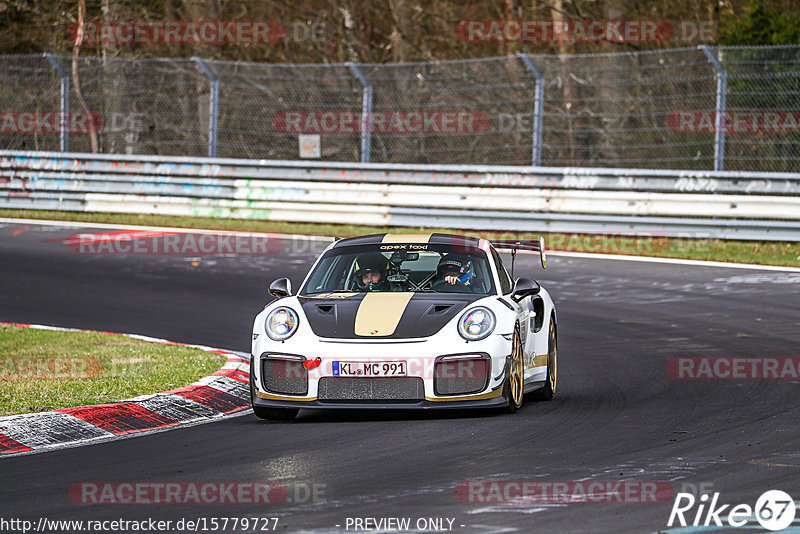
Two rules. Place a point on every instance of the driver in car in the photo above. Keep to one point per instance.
(454, 269)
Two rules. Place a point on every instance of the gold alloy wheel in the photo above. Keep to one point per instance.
(516, 377)
(552, 360)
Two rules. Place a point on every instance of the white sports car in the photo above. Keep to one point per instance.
(405, 321)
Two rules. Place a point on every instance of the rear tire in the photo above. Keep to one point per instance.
(272, 414)
(513, 386)
(549, 390)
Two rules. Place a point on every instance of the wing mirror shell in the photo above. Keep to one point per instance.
(524, 287)
(280, 288)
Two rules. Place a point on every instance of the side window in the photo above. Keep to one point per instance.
(505, 282)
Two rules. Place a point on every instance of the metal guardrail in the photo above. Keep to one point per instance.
(727, 205)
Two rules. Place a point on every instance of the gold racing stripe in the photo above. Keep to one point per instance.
(538, 361)
(379, 313)
(270, 396)
(406, 238)
(490, 395)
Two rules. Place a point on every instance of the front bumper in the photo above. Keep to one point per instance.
(493, 399)
(430, 393)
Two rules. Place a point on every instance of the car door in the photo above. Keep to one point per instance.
(506, 287)
(526, 314)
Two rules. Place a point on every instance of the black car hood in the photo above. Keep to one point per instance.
(382, 315)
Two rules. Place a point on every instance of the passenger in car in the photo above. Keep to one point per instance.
(371, 273)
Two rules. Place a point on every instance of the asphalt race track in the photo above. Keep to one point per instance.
(618, 415)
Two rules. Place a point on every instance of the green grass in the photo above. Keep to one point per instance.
(757, 252)
(44, 370)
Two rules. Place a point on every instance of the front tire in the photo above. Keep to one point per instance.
(513, 386)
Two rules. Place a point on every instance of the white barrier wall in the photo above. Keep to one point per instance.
(728, 205)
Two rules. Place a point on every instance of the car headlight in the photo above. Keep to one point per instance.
(476, 323)
(281, 323)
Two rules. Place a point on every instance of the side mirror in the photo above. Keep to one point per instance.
(280, 288)
(524, 287)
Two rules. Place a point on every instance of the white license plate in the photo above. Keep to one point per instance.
(369, 369)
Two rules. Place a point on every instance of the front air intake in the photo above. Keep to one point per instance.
(461, 376)
(285, 377)
(337, 389)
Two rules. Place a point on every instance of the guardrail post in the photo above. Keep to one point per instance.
(366, 111)
(213, 105)
(538, 109)
(719, 123)
(64, 100)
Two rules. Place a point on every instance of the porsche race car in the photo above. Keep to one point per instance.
(405, 321)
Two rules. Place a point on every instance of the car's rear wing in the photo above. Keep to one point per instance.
(532, 245)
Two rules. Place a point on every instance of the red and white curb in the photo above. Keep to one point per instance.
(224, 392)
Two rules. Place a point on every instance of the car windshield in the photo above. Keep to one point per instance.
(441, 268)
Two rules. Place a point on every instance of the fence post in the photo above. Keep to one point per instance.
(538, 109)
(213, 106)
(366, 111)
(64, 100)
(719, 123)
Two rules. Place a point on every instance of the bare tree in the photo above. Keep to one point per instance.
(79, 34)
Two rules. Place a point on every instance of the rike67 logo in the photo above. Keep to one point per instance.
(774, 510)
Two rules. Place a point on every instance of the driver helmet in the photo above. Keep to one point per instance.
(371, 263)
(461, 265)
